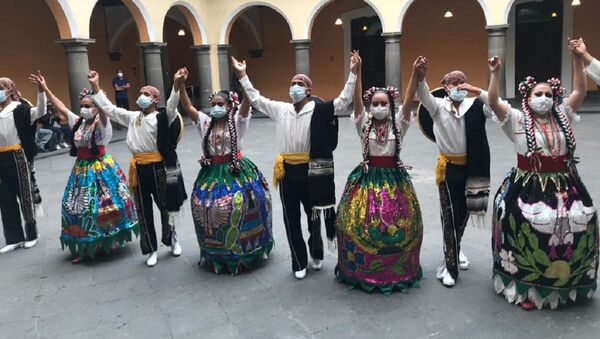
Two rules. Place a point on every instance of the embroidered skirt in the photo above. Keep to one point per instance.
(232, 216)
(545, 239)
(379, 231)
(97, 209)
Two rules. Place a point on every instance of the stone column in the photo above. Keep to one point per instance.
(224, 68)
(393, 75)
(153, 73)
(202, 56)
(78, 67)
(302, 50)
(497, 46)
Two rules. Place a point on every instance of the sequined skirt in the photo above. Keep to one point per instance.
(544, 239)
(379, 231)
(232, 216)
(97, 209)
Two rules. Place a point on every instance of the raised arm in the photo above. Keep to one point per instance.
(244, 109)
(105, 107)
(184, 99)
(427, 99)
(94, 80)
(498, 107)
(272, 109)
(341, 103)
(173, 100)
(575, 99)
(41, 103)
(359, 106)
(411, 92)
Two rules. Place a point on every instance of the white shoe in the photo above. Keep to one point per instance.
(152, 259)
(10, 248)
(175, 247)
(30, 244)
(315, 264)
(265, 256)
(463, 261)
(300, 274)
(443, 275)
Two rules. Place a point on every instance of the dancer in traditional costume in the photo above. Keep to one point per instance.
(16, 146)
(379, 225)
(307, 136)
(98, 212)
(545, 226)
(231, 202)
(154, 171)
(457, 125)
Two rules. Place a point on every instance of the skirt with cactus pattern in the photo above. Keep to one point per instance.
(98, 212)
(545, 239)
(379, 231)
(232, 216)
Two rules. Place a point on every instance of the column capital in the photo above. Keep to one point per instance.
(301, 43)
(392, 37)
(497, 29)
(74, 45)
(200, 48)
(151, 45)
(223, 48)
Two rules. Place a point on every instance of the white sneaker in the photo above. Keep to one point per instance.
(265, 256)
(175, 247)
(152, 259)
(10, 248)
(443, 275)
(300, 274)
(30, 244)
(463, 261)
(315, 264)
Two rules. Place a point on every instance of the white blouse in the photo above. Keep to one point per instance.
(293, 129)
(514, 127)
(219, 140)
(388, 148)
(142, 128)
(8, 130)
(593, 70)
(83, 135)
(448, 123)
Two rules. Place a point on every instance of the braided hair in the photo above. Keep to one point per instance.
(232, 99)
(392, 93)
(533, 150)
(85, 93)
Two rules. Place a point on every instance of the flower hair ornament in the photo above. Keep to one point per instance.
(85, 93)
(391, 91)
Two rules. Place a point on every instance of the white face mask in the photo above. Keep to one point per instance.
(144, 101)
(380, 112)
(541, 105)
(87, 113)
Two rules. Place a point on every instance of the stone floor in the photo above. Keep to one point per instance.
(42, 295)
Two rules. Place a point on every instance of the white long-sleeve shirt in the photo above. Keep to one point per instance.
(448, 122)
(293, 128)
(142, 128)
(593, 70)
(8, 130)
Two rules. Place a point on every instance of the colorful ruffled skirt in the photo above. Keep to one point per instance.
(232, 216)
(545, 239)
(98, 212)
(379, 231)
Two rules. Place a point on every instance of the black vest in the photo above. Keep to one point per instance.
(478, 149)
(25, 131)
(166, 142)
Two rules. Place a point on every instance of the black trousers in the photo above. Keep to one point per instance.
(123, 103)
(454, 214)
(15, 184)
(293, 190)
(152, 185)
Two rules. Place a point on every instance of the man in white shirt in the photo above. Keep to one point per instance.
(592, 65)
(462, 173)
(292, 164)
(147, 172)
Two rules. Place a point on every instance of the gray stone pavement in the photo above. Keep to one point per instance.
(43, 295)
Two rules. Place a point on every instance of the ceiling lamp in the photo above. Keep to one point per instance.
(365, 28)
(554, 14)
(338, 21)
(181, 32)
(575, 3)
(448, 14)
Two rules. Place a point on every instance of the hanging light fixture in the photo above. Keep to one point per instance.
(365, 28)
(338, 22)
(181, 32)
(575, 3)
(554, 14)
(448, 14)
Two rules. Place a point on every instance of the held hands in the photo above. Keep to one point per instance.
(179, 78)
(355, 62)
(577, 47)
(39, 81)
(420, 68)
(494, 64)
(94, 80)
(239, 67)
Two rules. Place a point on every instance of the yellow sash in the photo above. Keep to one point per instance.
(10, 148)
(140, 159)
(290, 158)
(443, 160)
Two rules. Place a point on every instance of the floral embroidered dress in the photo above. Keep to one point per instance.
(97, 209)
(545, 226)
(379, 225)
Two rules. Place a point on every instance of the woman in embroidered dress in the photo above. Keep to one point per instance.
(545, 232)
(231, 202)
(97, 210)
(379, 224)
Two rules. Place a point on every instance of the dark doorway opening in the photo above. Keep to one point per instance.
(366, 37)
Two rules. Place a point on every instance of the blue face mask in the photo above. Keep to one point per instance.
(218, 112)
(3, 95)
(144, 101)
(457, 95)
(297, 93)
